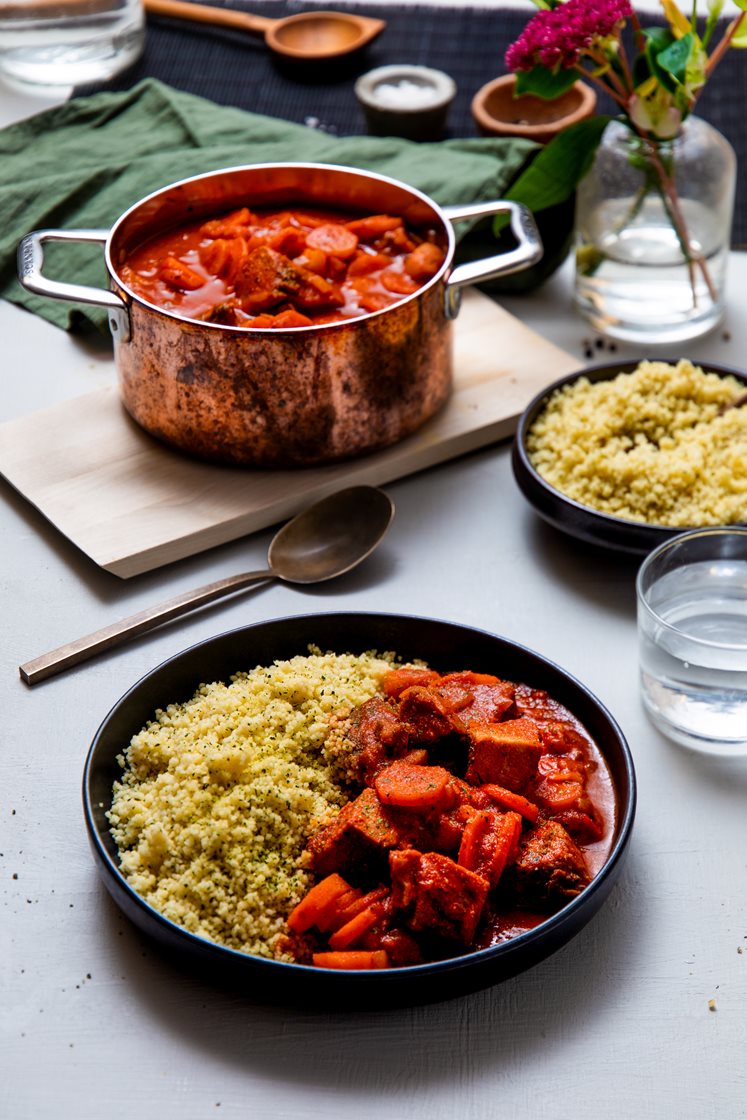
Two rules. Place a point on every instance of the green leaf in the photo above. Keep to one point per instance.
(739, 39)
(557, 169)
(675, 58)
(545, 83)
(658, 40)
(741, 4)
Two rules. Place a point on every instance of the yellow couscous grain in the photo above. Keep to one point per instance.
(652, 446)
(219, 794)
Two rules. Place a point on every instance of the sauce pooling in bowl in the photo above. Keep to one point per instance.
(283, 268)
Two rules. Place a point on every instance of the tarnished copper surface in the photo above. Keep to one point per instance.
(278, 398)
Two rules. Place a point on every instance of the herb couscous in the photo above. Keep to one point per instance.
(653, 446)
(219, 795)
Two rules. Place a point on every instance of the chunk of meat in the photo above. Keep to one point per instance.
(478, 696)
(430, 714)
(266, 278)
(359, 838)
(505, 754)
(377, 735)
(435, 894)
(550, 868)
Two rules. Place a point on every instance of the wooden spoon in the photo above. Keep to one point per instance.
(308, 36)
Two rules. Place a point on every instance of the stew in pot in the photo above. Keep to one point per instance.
(283, 268)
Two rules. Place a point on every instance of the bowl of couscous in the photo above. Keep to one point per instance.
(626, 455)
(222, 801)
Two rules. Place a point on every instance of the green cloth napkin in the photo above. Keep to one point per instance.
(82, 164)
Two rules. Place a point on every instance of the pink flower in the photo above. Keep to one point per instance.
(558, 37)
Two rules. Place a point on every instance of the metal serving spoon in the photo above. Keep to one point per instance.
(307, 36)
(327, 539)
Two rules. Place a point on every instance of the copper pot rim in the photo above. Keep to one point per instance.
(273, 332)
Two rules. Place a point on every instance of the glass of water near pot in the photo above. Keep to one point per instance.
(692, 635)
(60, 43)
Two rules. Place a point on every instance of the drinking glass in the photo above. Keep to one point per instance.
(692, 631)
(56, 43)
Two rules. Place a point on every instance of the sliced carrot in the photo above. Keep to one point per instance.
(291, 318)
(397, 680)
(424, 261)
(367, 262)
(338, 240)
(347, 910)
(368, 229)
(314, 905)
(472, 838)
(335, 915)
(352, 959)
(353, 930)
(314, 259)
(511, 800)
(179, 275)
(399, 283)
(418, 788)
(231, 225)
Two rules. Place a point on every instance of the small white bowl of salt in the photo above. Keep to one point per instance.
(403, 100)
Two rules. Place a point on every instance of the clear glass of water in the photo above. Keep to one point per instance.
(692, 634)
(58, 43)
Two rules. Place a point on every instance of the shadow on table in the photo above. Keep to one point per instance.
(543, 1008)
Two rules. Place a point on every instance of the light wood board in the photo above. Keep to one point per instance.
(132, 504)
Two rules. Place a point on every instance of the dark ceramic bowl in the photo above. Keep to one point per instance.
(445, 646)
(572, 517)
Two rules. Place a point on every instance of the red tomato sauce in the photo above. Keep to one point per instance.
(283, 268)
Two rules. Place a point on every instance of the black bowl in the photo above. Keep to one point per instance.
(572, 517)
(445, 646)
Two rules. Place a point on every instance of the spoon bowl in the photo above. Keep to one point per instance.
(332, 536)
(304, 37)
(326, 540)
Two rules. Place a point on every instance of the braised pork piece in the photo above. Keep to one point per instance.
(485, 807)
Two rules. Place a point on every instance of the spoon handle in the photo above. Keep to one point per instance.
(48, 664)
(203, 13)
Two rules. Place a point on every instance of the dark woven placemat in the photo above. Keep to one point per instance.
(232, 68)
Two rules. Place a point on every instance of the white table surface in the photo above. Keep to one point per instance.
(94, 1023)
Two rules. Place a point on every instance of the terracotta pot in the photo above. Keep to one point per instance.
(498, 112)
(292, 397)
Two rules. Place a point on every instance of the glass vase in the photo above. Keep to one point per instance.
(652, 234)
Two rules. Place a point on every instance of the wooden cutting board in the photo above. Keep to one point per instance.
(132, 504)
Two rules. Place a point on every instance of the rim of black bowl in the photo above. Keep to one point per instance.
(572, 517)
(403, 984)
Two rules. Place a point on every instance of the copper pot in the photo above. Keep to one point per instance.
(293, 397)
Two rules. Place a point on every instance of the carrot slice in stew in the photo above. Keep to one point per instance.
(398, 283)
(511, 800)
(179, 275)
(424, 261)
(368, 229)
(418, 788)
(352, 958)
(397, 680)
(337, 240)
(353, 930)
(316, 904)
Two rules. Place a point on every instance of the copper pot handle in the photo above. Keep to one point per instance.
(527, 252)
(30, 274)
